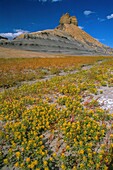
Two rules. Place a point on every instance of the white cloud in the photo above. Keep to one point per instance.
(100, 39)
(110, 16)
(88, 12)
(48, 0)
(56, 0)
(81, 27)
(45, 0)
(42, 0)
(16, 33)
(101, 19)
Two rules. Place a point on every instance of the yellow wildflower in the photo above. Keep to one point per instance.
(54, 154)
(97, 165)
(81, 151)
(51, 159)
(46, 168)
(35, 162)
(74, 168)
(45, 163)
(27, 159)
(6, 161)
(18, 154)
(16, 164)
(81, 165)
(63, 167)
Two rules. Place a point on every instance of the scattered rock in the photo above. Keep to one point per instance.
(106, 98)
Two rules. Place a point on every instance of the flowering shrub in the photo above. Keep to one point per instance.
(48, 125)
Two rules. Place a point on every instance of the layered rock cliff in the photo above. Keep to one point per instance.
(66, 38)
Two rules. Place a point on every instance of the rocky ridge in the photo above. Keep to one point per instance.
(66, 38)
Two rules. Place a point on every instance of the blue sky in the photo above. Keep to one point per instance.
(94, 16)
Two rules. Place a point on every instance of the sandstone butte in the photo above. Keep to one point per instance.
(67, 36)
(67, 24)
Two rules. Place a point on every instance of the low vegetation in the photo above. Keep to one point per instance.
(13, 71)
(50, 124)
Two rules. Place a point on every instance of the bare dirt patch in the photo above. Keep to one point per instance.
(106, 98)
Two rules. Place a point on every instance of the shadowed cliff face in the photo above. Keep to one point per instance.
(3, 38)
(66, 38)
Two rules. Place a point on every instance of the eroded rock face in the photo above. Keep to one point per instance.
(67, 19)
(73, 20)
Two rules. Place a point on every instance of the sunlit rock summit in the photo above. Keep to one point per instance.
(66, 38)
(67, 19)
